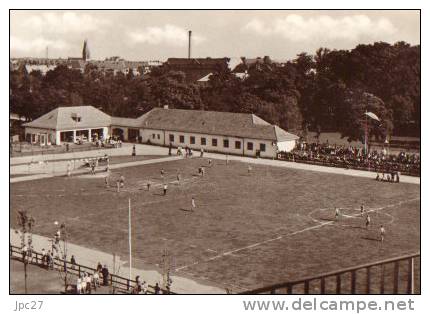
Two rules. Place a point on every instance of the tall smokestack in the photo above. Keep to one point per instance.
(189, 44)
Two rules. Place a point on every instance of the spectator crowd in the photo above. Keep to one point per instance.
(355, 157)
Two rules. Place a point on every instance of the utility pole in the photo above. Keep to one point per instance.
(129, 237)
(64, 233)
(166, 269)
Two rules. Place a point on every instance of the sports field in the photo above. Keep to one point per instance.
(248, 229)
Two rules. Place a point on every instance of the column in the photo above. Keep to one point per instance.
(74, 136)
(57, 138)
(89, 135)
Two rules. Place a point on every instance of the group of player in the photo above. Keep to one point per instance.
(365, 214)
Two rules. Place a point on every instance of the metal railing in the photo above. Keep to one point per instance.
(381, 277)
(121, 284)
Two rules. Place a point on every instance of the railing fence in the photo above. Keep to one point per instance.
(394, 276)
(121, 284)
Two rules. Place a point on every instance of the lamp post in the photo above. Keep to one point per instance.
(61, 234)
(26, 223)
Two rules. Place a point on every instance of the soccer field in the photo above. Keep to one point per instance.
(247, 231)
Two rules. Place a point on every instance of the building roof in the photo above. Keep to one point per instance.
(126, 122)
(205, 78)
(244, 125)
(198, 61)
(43, 68)
(65, 118)
(282, 135)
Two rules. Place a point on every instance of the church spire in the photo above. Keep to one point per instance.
(85, 51)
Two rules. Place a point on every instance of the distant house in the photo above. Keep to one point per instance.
(242, 69)
(76, 64)
(196, 68)
(225, 132)
(43, 68)
(205, 79)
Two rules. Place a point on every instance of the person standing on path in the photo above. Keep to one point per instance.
(382, 233)
(193, 204)
(69, 167)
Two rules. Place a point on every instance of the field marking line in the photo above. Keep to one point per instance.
(285, 236)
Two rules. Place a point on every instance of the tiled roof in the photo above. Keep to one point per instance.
(205, 78)
(212, 122)
(64, 118)
(199, 61)
(126, 122)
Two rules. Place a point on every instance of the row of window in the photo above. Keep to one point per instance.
(226, 142)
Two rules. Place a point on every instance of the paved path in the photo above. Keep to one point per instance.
(125, 150)
(142, 149)
(90, 257)
(59, 168)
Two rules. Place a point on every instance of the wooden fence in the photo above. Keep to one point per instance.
(392, 276)
(121, 284)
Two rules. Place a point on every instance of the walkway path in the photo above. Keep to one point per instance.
(59, 168)
(142, 149)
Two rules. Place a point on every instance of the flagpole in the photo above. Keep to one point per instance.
(129, 237)
(365, 134)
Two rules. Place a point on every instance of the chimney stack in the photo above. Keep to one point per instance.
(189, 44)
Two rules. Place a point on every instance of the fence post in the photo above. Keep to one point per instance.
(79, 270)
(306, 287)
(353, 277)
(396, 278)
(289, 289)
(322, 285)
(368, 280)
(382, 284)
(128, 284)
(338, 284)
(411, 276)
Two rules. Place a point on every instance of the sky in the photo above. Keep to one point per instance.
(158, 35)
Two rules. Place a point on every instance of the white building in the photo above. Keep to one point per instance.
(67, 124)
(225, 132)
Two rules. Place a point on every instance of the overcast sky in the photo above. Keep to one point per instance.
(157, 35)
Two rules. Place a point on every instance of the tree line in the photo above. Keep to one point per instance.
(327, 91)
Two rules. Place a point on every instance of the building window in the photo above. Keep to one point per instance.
(158, 136)
(250, 146)
(214, 142)
(226, 143)
(203, 141)
(192, 140)
(262, 147)
(237, 144)
(153, 135)
(181, 139)
(171, 137)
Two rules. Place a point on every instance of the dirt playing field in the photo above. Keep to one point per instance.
(247, 230)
